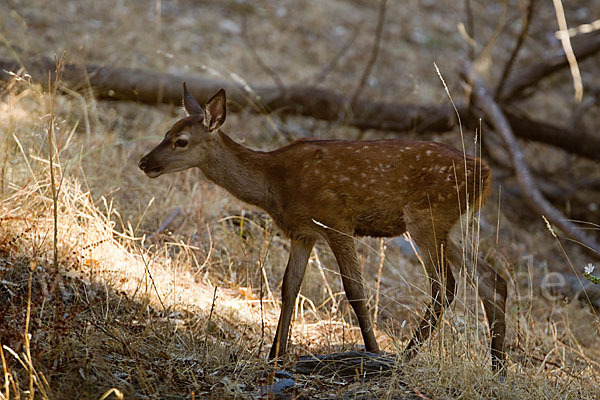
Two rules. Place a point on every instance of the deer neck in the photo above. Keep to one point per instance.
(239, 170)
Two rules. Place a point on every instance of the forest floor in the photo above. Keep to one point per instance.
(190, 311)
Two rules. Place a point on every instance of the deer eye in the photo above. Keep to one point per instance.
(181, 143)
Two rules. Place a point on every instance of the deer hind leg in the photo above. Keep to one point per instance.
(294, 272)
(491, 288)
(493, 291)
(433, 252)
(345, 254)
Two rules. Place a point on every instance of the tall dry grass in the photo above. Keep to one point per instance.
(141, 316)
(191, 311)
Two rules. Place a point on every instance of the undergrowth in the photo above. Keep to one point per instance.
(189, 310)
(158, 315)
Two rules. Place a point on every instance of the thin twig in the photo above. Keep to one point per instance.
(378, 284)
(166, 224)
(470, 29)
(53, 89)
(6, 373)
(327, 287)
(147, 267)
(525, 23)
(207, 325)
(332, 64)
(258, 59)
(26, 334)
(484, 58)
(374, 53)
(568, 48)
(261, 263)
(262, 318)
(578, 30)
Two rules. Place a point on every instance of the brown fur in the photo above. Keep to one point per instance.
(333, 190)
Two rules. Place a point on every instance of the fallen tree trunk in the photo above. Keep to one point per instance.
(154, 88)
(347, 364)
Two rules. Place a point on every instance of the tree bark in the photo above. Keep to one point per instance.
(347, 364)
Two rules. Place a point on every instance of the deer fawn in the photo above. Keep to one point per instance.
(334, 189)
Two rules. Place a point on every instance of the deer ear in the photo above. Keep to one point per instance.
(190, 105)
(215, 111)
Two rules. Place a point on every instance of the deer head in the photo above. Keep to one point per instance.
(189, 140)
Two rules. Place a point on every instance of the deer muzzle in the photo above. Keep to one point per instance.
(149, 169)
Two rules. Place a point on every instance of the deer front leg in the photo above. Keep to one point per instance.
(345, 254)
(292, 279)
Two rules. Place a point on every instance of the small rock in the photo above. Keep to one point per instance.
(282, 373)
(281, 11)
(229, 26)
(278, 387)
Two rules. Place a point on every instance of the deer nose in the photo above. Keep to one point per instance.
(143, 164)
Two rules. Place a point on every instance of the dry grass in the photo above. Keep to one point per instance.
(136, 312)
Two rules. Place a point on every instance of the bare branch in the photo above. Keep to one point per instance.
(330, 66)
(470, 29)
(525, 22)
(258, 59)
(574, 141)
(374, 53)
(484, 100)
(587, 45)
